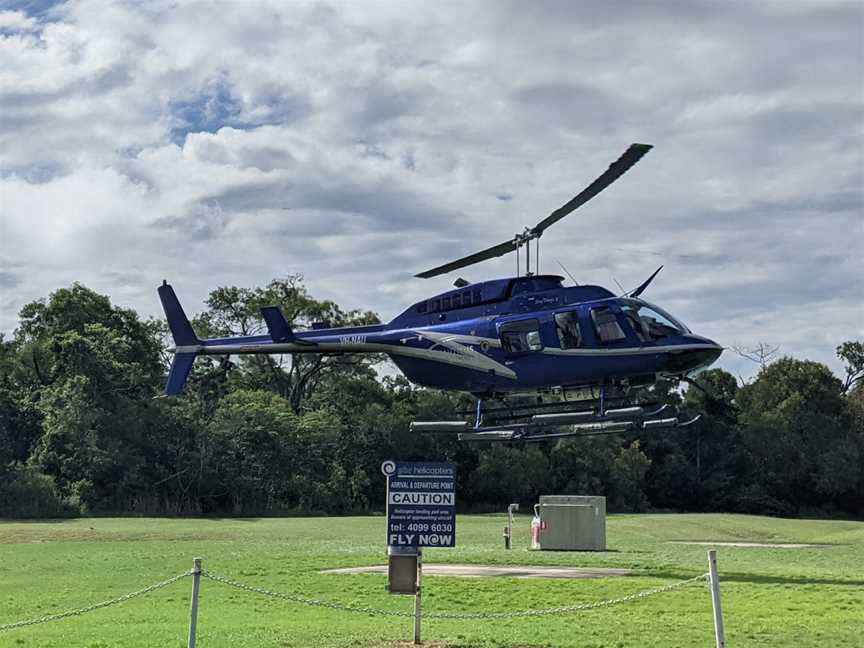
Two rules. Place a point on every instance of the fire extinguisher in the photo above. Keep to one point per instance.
(535, 528)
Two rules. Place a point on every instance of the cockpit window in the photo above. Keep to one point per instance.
(606, 324)
(649, 322)
(569, 333)
(522, 336)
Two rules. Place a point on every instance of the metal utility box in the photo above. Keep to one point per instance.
(572, 522)
(402, 570)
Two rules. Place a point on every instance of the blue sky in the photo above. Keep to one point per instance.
(359, 143)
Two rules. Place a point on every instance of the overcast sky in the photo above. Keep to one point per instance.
(359, 143)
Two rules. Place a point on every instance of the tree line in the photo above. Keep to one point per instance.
(83, 431)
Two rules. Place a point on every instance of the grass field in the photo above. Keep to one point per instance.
(772, 597)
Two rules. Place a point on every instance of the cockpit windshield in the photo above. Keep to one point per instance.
(649, 322)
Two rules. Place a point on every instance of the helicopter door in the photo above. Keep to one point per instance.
(521, 336)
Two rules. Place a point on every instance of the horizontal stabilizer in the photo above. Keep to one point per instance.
(278, 327)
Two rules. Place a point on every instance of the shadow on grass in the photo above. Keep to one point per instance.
(131, 518)
(758, 579)
(444, 644)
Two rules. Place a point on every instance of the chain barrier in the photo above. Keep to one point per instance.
(354, 608)
(301, 599)
(568, 609)
(451, 615)
(95, 606)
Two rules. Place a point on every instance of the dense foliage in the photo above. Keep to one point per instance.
(82, 432)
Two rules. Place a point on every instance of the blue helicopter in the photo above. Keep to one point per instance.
(581, 347)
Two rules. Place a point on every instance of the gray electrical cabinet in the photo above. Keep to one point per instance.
(572, 522)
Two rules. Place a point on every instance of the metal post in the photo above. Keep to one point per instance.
(719, 632)
(508, 532)
(193, 605)
(417, 597)
(538, 255)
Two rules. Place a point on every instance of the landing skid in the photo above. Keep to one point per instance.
(536, 422)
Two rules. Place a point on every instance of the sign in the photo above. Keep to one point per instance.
(421, 504)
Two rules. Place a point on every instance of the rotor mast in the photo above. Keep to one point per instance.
(524, 240)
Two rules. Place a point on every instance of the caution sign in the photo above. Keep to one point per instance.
(421, 504)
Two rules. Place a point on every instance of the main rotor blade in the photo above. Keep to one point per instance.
(490, 253)
(618, 168)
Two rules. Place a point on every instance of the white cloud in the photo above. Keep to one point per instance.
(360, 143)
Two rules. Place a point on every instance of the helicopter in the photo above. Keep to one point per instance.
(582, 348)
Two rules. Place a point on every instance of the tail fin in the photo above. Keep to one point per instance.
(187, 343)
(181, 365)
(181, 329)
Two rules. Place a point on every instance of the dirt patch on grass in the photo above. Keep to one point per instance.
(483, 571)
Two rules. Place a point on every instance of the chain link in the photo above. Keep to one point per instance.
(568, 609)
(452, 615)
(95, 606)
(301, 599)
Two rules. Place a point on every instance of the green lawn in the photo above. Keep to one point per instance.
(776, 597)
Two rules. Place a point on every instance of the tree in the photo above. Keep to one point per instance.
(801, 451)
(237, 311)
(852, 354)
(628, 479)
(698, 467)
(95, 368)
(762, 354)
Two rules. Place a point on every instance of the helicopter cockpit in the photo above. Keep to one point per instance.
(651, 323)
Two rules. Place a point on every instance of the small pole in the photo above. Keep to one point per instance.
(417, 597)
(719, 632)
(193, 605)
(508, 531)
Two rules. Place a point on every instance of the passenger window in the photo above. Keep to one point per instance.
(521, 337)
(445, 303)
(569, 333)
(606, 325)
(466, 298)
(457, 301)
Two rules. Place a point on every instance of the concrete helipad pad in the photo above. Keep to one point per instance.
(479, 571)
(776, 545)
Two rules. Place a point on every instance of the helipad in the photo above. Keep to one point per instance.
(480, 571)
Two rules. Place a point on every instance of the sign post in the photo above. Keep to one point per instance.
(417, 596)
(719, 631)
(421, 512)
